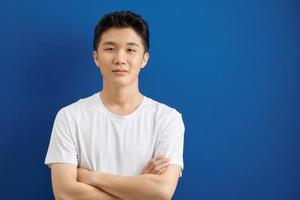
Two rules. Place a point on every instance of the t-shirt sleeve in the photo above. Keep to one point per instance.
(171, 142)
(61, 147)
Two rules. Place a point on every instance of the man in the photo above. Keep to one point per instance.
(117, 143)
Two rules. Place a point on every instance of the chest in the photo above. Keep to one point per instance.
(107, 144)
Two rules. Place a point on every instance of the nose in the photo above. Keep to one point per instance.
(120, 58)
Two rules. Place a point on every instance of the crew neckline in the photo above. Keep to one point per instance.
(120, 117)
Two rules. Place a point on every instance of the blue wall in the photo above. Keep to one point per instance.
(230, 67)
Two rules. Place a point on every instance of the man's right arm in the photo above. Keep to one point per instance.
(66, 187)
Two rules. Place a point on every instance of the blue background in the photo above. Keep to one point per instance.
(230, 67)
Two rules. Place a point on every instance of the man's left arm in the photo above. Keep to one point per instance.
(146, 186)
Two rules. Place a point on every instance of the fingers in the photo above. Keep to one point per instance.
(159, 169)
(157, 164)
(150, 163)
(154, 161)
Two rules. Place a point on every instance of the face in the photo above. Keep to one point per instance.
(120, 56)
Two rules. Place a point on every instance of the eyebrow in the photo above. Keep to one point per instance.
(113, 43)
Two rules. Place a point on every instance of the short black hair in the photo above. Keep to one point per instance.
(122, 19)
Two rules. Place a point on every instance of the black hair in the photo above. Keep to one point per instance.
(122, 19)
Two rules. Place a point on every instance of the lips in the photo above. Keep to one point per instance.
(119, 70)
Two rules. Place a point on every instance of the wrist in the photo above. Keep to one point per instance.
(94, 179)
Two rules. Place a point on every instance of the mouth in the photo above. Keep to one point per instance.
(120, 72)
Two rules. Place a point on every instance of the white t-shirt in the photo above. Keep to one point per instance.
(88, 135)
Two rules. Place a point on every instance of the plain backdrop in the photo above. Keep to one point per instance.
(230, 67)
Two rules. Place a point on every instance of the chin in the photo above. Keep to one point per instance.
(121, 82)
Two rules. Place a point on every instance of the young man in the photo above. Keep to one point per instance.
(117, 143)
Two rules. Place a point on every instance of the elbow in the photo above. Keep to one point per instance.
(58, 194)
(158, 195)
(61, 196)
(161, 189)
(166, 195)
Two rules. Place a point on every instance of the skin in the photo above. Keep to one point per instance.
(118, 49)
(70, 182)
(146, 187)
(156, 165)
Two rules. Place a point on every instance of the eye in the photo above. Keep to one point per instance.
(131, 50)
(109, 49)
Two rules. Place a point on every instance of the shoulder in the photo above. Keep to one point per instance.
(164, 114)
(163, 109)
(80, 107)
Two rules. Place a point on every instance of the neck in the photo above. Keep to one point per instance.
(121, 100)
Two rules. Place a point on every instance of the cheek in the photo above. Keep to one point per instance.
(103, 61)
(136, 62)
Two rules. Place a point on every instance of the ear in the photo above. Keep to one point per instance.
(145, 59)
(95, 57)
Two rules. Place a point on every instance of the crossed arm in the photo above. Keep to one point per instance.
(156, 182)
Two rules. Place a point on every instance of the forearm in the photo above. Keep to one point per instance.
(146, 187)
(82, 191)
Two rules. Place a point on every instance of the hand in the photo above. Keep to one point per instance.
(156, 165)
(84, 175)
